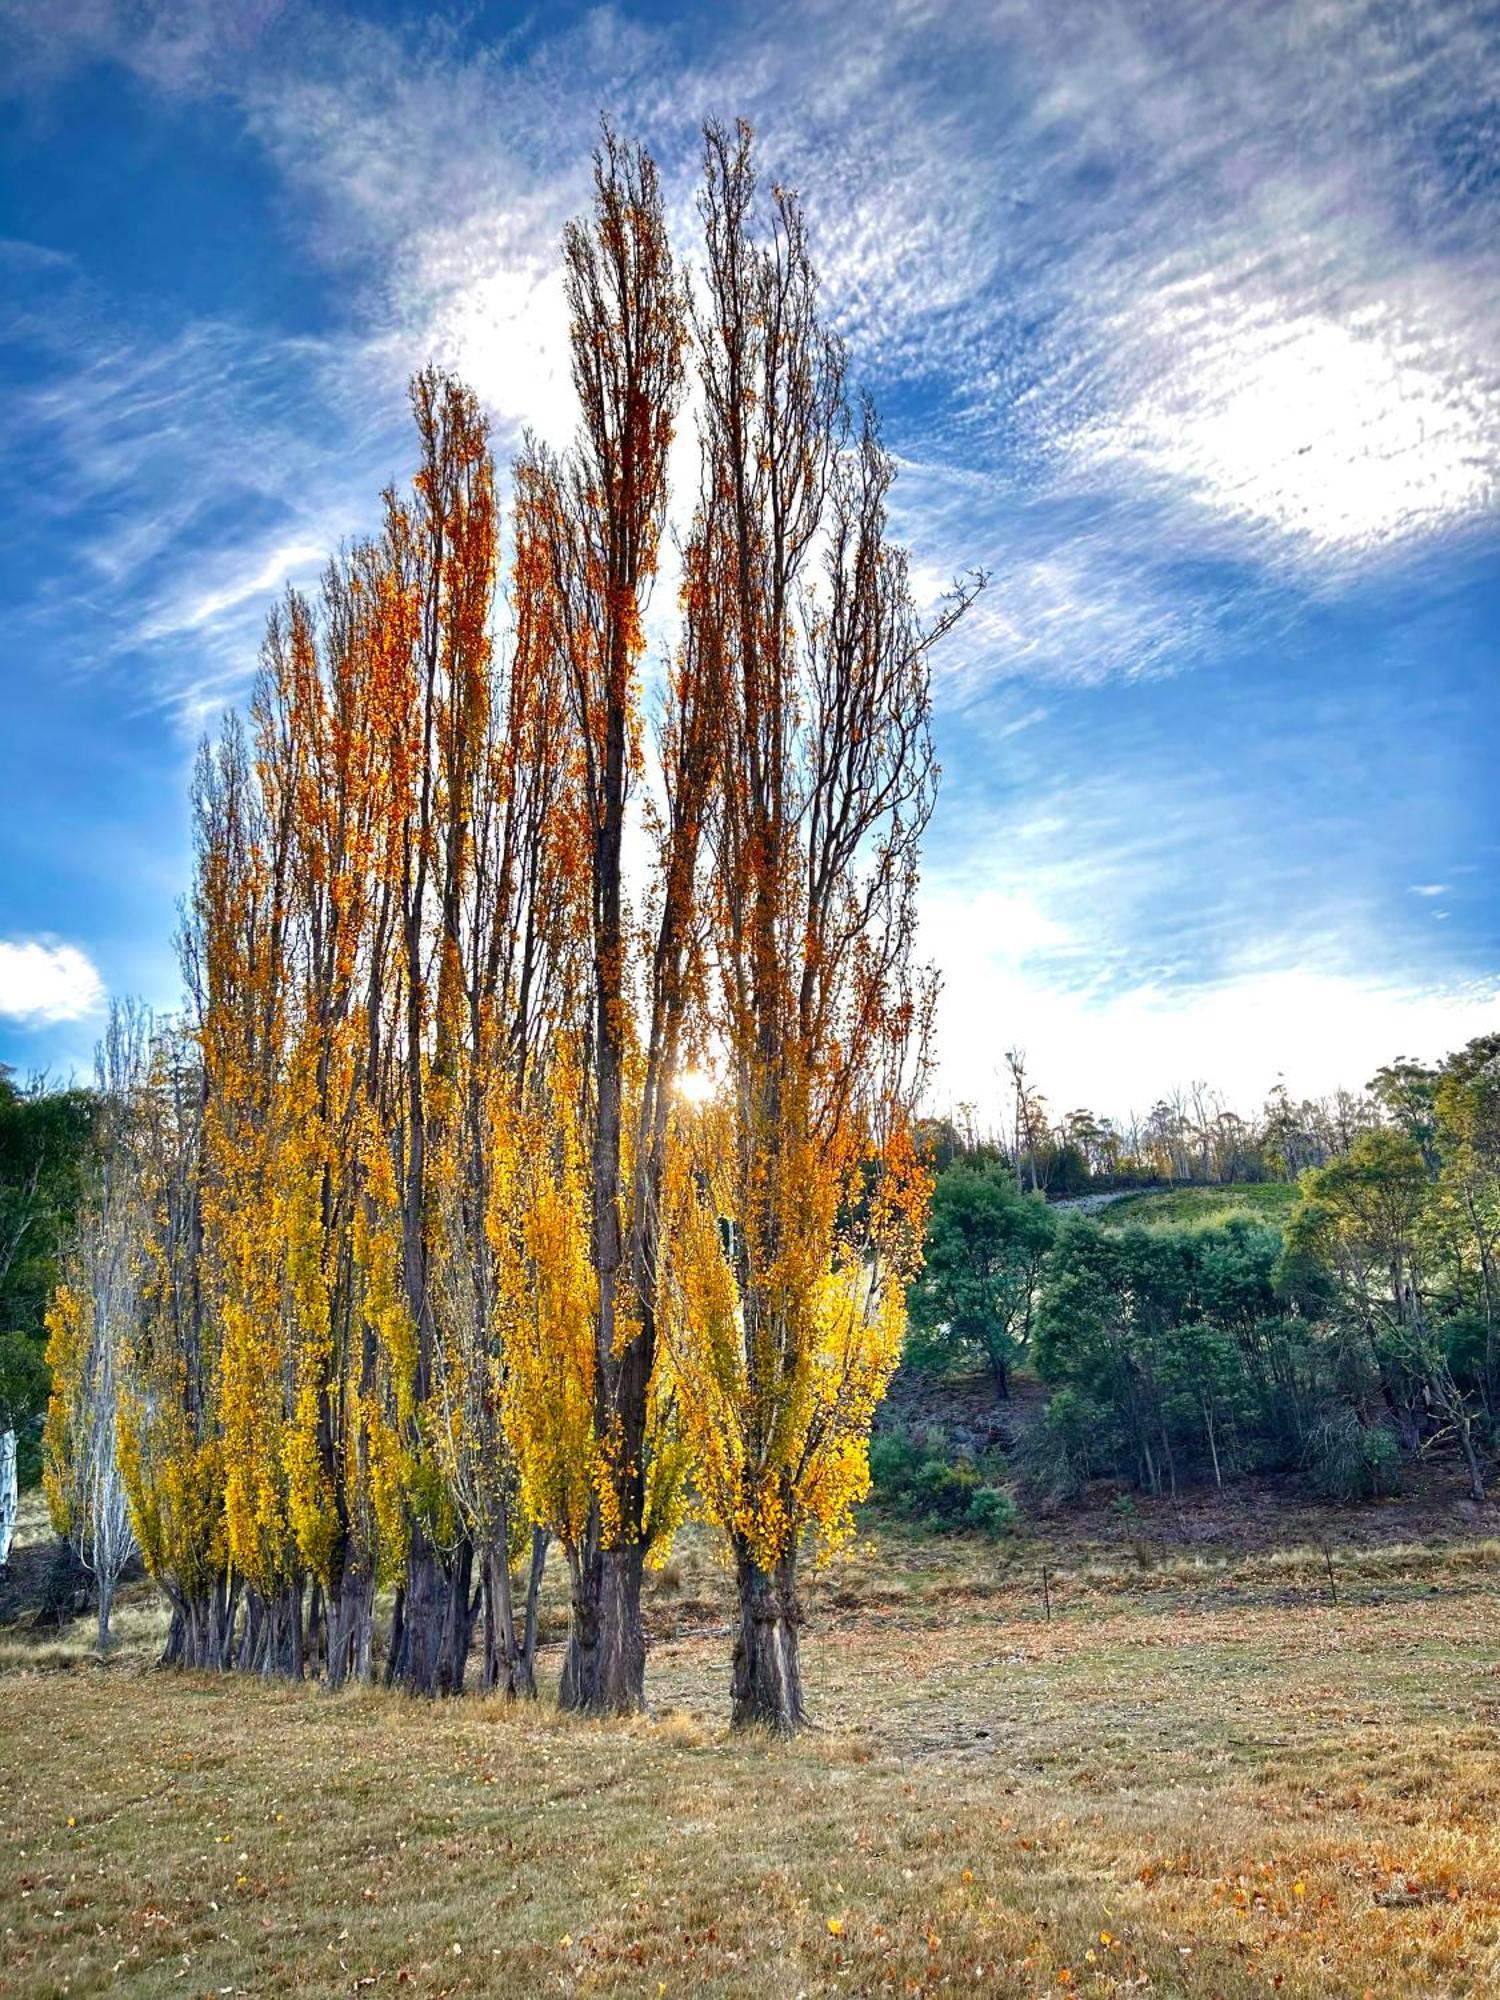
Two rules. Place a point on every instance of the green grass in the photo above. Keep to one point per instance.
(1202, 1208)
(1202, 1776)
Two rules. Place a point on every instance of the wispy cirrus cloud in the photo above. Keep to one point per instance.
(172, 44)
(1183, 320)
(179, 484)
(1218, 280)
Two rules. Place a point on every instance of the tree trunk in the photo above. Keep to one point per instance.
(171, 1652)
(1471, 1460)
(1463, 1424)
(431, 1644)
(205, 1640)
(106, 1603)
(575, 1688)
(509, 1654)
(315, 1648)
(1001, 1375)
(398, 1635)
(349, 1623)
(604, 1669)
(766, 1688)
(10, 1494)
(251, 1651)
(1213, 1445)
(620, 1668)
(539, 1544)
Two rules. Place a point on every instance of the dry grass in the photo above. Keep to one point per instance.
(1200, 1780)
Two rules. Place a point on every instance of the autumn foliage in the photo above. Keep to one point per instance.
(435, 1263)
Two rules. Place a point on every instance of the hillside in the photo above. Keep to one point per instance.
(1202, 1207)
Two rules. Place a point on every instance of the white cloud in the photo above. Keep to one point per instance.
(1183, 282)
(1341, 436)
(1212, 261)
(41, 983)
(1118, 1051)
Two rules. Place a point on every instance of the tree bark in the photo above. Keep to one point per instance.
(171, 1652)
(202, 1634)
(766, 1689)
(620, 1667)
(1471, 1460)
(604, 1668)
(431, 1646)
(10, 1498)
(1001, 1375)
(349, 1623)
(509, 1652)
(575, 1688)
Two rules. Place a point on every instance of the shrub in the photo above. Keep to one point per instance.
(909, 1477)
(1058, 1458)
(1348, 1459)
(25, 1382)
(992, 1510)
(945, 1490)
(895, 1460)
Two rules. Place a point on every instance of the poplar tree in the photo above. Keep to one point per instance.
(607, 503)
(802, 1212)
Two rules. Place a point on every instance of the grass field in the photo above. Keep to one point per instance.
(1200, 1777)
(1202, 1207)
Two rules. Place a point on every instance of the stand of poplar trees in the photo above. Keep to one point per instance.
(532, 1162)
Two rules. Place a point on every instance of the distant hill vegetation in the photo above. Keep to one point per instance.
(1326, 1331)
(1202, 1207)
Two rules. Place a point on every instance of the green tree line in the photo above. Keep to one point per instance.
(1337, 1346)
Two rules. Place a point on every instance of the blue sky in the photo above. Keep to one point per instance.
(1182, 319)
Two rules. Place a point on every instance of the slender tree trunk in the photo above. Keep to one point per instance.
(398, 1635)
(766, 1689)
(1471, 1460)
(251, 1651)
(509, 1653)
(498, 1616)
(296, 1662)
(1213, 1447)
(10, 1498)
(459, 1610)
(203, 1632)
(539, 1542)
(1001, 1375)
(172, 1651)
(1450, 1399)
(316, 1649)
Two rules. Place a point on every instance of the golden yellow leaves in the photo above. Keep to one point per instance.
(538, 1225)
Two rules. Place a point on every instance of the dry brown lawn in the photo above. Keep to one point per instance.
(1199, 1778)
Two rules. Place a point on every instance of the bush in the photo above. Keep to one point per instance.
(944, 1490)
(992, 1511)
(910, 1479)
(1348, 1459)
(1058, 1458)
(894, 1462)
(25, 1383)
